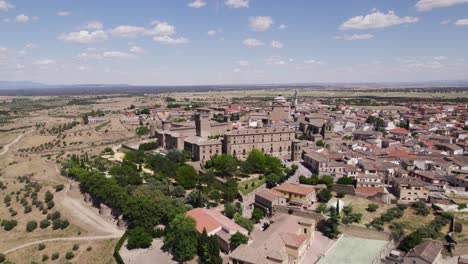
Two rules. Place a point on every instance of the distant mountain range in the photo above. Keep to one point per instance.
(27, 88)
(13, 85)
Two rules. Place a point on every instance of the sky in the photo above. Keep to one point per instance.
(204, 42)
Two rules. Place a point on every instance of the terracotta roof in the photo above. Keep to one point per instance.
(211, 220)
(300, 189)
(400, 131)
(292, 239)
(369, 190)
(269, 194)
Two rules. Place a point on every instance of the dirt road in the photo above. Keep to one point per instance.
(16, 140)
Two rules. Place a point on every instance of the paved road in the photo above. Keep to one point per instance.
(16, 140)
(300, 171)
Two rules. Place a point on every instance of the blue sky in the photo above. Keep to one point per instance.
(196, 42)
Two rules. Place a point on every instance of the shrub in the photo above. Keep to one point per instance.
(59, 187)
(9, 224)
(27, 209)
(50, 204)
(2, 258)
(420, 208)
(372, 208)
(340, 194)
(139, 238)
(257, 214)
(89, 248)
(55, 256)
(75, 247)
(55, 215)
(41, 247)
(45, 258)
(44, 224)
(69, 255)
(31, 226)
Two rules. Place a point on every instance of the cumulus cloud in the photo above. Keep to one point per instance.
(312, 62)
(22, 18)
(237, 3)
(428, 5)
(461, 22)
(92, 25)
(282, 26)
(355, 37)
(5, 6)
(44, 62)
(211, 32)
(163, 28)
(260, 23)
(170, 41)
(197, 4)
(377, 19)
(63, 13)
(137, 49)
(117, 55)
(276, 44)
(84, 36)
(251, 42)
(276, 60)
(126, 31)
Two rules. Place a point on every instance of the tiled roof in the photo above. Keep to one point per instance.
(300, 189)
(211, 220)
(427, 251)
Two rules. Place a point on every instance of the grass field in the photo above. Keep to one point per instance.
(252, 184)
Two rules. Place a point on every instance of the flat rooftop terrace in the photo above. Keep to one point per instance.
(353, 250)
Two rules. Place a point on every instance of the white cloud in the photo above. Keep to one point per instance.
(243, 63)
(251, 42)
(163, 28)
(171, 41)
(237, 3)
(197, 4)
(117, 55)
(137, 49)
(377, 19)
(89, 56)
(276, 44)
(22, 18)
(211, 32)
(92, 25)
(427, 5)
(260, 23)
(30, 46)
(3, 49)
(276, 60)
(282, 26)
(84, 36)
(63, 13)
(462, 22)
(440, 58)
(44, 62)
(5, 6)
(445, 22)
(313, 62)
(355, 37)
(126, 31)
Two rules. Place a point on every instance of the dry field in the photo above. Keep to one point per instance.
(87, 252)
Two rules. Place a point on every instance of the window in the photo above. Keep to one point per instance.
(305, 230)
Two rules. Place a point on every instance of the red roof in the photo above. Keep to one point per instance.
(369, 190)
(300, 189)
(400, 131)
(211, 220)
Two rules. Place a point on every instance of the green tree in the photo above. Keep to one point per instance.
(410, 241)
(255, 162)
(324, 195)
(330, 229)
(208, 249)
(186, 176)
(31, 226)
(225, 165)
(345, 181)
(257, 215)
(231, 189)
(244, 222)
(238, 239)
(196, 199)
(139, 238)
(2, 258)
(182, 238)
